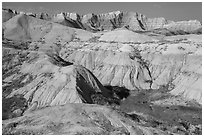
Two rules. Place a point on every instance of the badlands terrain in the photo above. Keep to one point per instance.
(112, 73)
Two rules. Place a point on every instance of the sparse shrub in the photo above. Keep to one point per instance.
(9, 105)
(119, 92)
(98, 98)
(181, 48)
(94, 39)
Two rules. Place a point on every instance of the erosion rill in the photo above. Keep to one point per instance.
(111, 73)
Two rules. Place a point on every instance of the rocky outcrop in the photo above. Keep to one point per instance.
(7, 14)
(108, 21)
(57, 82)
(49, 72)
(109, 54)
(154, 23)
(31, 14)
(76, 119)
(66, 19)
(113, 64)
(44, 16)
(176, 64)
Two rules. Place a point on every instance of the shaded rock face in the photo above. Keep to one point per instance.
(108, 21)
(7, 14)
(111, 56)
(44, 16)
(114, 68)
(46, 66)
(162, 63)
(57, 84)
(69, 20)
(136, 22)
(76, 119)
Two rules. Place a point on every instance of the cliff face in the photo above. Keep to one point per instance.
(108, 21)
(176, 64)
(67, 20)
(114, 68)
(118, 58)
(53, 70)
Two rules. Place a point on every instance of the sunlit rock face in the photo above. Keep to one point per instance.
(112, 63)
(116, 66)
(133, 21)
(186, 26)
(110, 55)
(77, 119)
(24, 28)
(178, 63)
(54, 68)
(56, 82)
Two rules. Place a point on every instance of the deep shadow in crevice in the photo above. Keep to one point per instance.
(118, 92)
(57, 60)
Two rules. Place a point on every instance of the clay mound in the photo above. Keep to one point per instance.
(186, 26)
(57, 82)
(23, 28)
(83, 35)
(123, 35)
(59, 34)
(7, 14)
(76, 119)
(17, 28)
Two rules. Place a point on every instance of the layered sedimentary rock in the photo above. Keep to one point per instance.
(108, 21)
(113, 64)
(56, 82)
(136, 22)
(176, 64)
(154, 23)
(76, 119)
(109, 55)
(64, 19)
(164, 61)
(186, 26)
